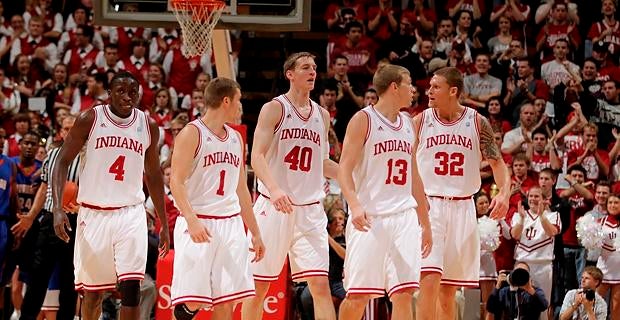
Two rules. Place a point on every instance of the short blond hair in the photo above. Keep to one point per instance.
(387, 75)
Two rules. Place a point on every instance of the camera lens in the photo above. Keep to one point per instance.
(589, 294)
(519, 277)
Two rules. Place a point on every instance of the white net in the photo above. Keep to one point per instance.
(197, 20)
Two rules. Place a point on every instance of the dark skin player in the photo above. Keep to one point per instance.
(124, 98)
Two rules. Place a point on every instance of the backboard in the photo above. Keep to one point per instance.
(250, 15)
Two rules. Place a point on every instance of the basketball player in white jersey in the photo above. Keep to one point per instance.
(535, 228)
(451, 142)
(211, 263)
(290, 157)
(380, 181)
(111, 236)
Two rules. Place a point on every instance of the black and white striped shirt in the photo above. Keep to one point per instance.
(46, 174)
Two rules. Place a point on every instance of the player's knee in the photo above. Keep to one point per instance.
(358, 299)
(402, 296)
(130, 293)
(182, 312)
(261, 289)
(319, 287)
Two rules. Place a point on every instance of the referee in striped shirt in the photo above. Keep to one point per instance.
(50, 251)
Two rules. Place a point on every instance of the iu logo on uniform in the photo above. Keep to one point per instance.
(530, 233)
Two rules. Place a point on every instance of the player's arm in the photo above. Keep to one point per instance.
(268, 119)
(73, 144)
(247, 214)
(155, 184)
(491, 153)
(352, 147)
(330, 167)
(417, 189)
(187, 140)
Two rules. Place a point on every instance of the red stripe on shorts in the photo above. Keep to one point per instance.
(94, 207)
(309, 273)
(403, 286)
(204, 216)
(96, 287)
(234, 296)
(379, 291)
(461, 283)
(183, 299)
(131, 276)
(258, 277)
(432, 269)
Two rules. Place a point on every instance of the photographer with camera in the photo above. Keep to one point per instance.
(535, 228)
(585, 303)
(514, 296)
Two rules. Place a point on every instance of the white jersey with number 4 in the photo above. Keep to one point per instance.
(296, 153)
(383, 175)
(212, 184)
(114, 160)
(448, 154)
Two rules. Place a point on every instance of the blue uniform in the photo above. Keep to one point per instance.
(27, 180)
(6, 176)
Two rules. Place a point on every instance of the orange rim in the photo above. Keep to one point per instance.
(211, 4)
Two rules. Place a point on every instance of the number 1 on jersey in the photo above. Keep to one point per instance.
(220, 189)
(118, 168)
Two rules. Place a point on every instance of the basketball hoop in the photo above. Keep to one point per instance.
(197, 19)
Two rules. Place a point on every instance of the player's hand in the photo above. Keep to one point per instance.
(61, 225)
(499, 206)
(71, 208)
(198, 231)
(258, 248)
(164, 242)
(22, 226)
(360, 220)
(427, 241)
(281, 201)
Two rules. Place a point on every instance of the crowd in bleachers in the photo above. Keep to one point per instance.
(545, 73)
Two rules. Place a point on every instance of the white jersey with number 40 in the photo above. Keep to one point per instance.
(383, 175)
(212, 184)
(296, 153)
(449, 155)
(114, 160)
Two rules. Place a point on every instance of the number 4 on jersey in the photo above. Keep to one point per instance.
(118, 168)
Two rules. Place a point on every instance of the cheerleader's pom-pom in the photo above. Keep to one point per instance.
(489, 234)
(589, 232)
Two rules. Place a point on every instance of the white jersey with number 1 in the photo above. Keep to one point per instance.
(114, 160)
(212, 185)
(296, 153)
(383, 176)
(449, 155)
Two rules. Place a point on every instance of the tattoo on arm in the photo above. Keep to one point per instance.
(487, 144)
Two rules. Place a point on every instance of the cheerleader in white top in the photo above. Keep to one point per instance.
(488, 272)
(609, 260)
(535, 229)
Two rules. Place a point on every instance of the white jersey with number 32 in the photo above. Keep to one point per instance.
(114, 160)
(212, 184)
(383, 175)
(296, 153)
(449, 155)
